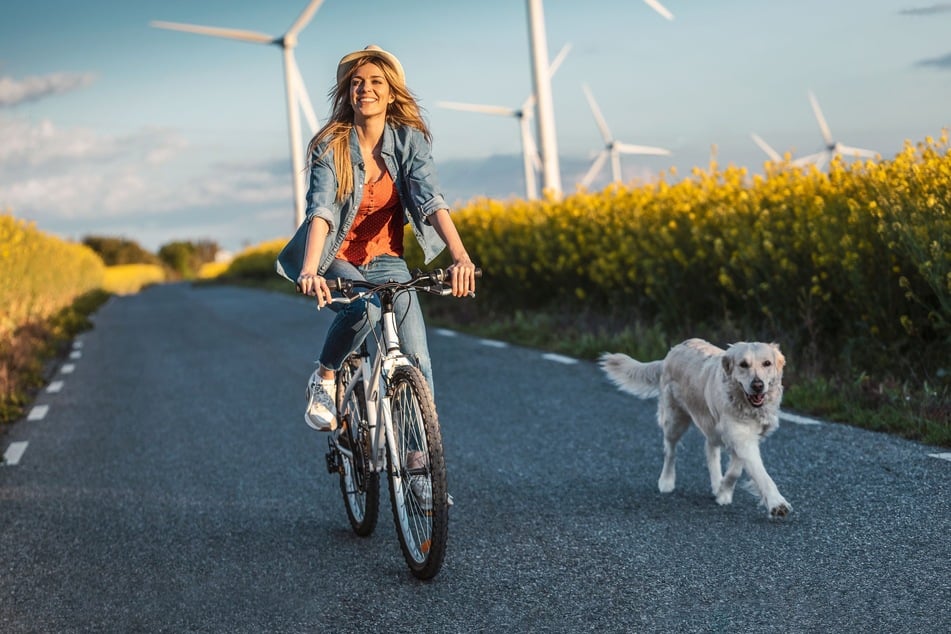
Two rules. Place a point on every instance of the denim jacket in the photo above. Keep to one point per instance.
(406, 153)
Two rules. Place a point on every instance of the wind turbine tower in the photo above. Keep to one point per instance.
(547, 141)
(295, 91)
(551, 171)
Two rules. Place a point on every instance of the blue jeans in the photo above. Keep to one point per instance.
(354, 322)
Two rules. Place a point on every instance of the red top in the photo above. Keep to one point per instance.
(378, 227)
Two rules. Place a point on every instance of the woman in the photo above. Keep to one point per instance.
(371, 172)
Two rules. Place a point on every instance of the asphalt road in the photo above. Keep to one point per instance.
(171, 485)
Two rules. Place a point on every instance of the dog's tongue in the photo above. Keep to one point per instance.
(756, 400)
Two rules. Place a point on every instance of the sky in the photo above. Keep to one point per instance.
(110, 127)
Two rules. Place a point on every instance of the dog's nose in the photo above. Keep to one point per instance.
(757, 385)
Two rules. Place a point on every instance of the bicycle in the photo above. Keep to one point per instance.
(387, 422)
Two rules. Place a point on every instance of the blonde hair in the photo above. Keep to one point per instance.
(404, 111)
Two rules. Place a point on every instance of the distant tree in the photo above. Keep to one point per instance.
(185, 258)
(116, 251)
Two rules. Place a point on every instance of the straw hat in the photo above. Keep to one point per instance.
(348, 60)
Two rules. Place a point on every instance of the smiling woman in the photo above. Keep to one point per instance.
(371, 172)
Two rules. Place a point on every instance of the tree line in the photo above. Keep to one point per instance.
(182, 258)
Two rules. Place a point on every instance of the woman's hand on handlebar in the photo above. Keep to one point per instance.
(462, 278)
(314, 286)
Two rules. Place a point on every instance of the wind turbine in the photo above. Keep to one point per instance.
(832, 147)
(612, 147)
(523, 114)
(295, 91)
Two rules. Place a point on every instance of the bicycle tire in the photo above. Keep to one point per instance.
(359, 485)
(423, 532)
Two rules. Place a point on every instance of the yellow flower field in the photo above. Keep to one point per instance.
(859, 257)
(40, 274)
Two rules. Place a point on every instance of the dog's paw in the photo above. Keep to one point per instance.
(665, 485)
(780, 510)
(724, 497)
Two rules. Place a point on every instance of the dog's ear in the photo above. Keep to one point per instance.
(727, 362)
(780, 359)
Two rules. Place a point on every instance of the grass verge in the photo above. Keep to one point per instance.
(26, 353)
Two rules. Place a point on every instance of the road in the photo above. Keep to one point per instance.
(171, 485)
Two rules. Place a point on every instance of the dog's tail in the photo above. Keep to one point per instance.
(632, 376)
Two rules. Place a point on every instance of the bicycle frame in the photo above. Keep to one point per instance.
(373, 378)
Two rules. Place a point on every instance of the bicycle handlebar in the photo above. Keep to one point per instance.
(434, 282)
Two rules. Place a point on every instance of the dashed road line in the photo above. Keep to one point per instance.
(941, 456)
(492, 343)
(67, 368)
(559, 358)
(799, 420)
(445, 332)
(75, 354)
(54, 387)
(38, 412)
(14, 452)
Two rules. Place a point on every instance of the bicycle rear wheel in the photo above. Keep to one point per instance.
(359, 484)
(417, 474)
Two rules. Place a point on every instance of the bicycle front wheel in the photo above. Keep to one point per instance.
(417, 478)
(359, 483)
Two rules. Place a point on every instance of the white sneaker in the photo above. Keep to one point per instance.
(420, 484)
(422, 488)
(321, 414)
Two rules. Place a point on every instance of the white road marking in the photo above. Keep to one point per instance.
(54, 387)
(38, 412)
(75, 354)
(14, 452)
(799, 420)
(77, 344)
(67, 368)
(559, 358)
(941, 456)
(445, 333)
(492, 343)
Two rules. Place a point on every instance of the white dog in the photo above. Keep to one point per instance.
(732, 395)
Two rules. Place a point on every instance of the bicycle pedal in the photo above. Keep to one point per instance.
(333, 463)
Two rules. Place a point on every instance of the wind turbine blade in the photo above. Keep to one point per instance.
(559, 58)
(231, 34)
(598, 117)
(824, 158)
(766, 147)
(849, 151)
(826, 133)
(806, 160)
(303, 18)
(536, 159)
(595, 167)
(302, 97)
(659, 8)
(627, 148)
(473, 107)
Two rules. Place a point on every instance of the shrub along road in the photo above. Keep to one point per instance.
(173, 486)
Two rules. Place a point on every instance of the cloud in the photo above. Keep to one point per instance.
(14, 92)
(53, 172)
(57, 175)
(944, 7)
(943, 62)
